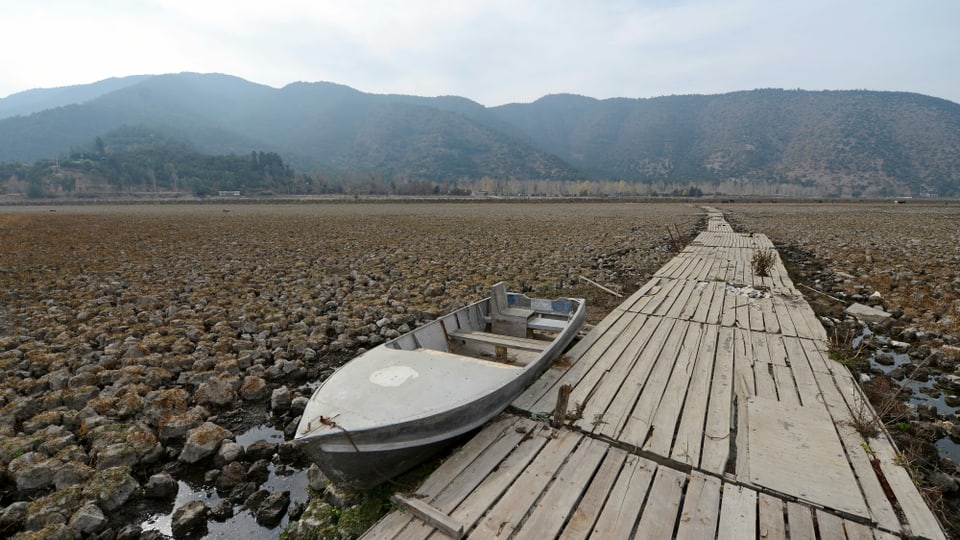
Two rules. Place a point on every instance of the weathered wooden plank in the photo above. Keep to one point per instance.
(701, 508)
(435, 518)
(395, 522)
(496, 483)
(830, 526)
(771, 522)
(620, 513)
(687, 289)
(716, 436)
(642, 295)
(666, 419)
(585, 515)
(488, 460)
(621, 352)
(637, 423)
(738, 513)
(551, 511)
(541, 395)
(785, 440)
(663, 504)
(800, 522)
(616, 376)
(690, 432)
(857, 531)
(807, 387)
(618, 413)
(743, 365)
(786, 388)
(509, 511)
(673, 291)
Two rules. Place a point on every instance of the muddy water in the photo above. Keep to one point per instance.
(242, 524)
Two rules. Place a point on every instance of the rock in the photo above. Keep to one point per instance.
(884, 359)
(259, 471)
(298, 405)
(33, 471)
(232, 475)
(203, 441)
(273, 508)
(254, 389)
(867, 314)
(280, 400)
(260, 449)
(161, 486)
(254, 501)
(217, 391)
(951, 400)
(130, 532)
(229, 451)
(71, 473)
(88, 519)
(190, 519)
(112, 488)
(927, 412)
(289, 451)
(222, 511)
(339, 497)
(316, 479)
(178, 425)
(13, 515)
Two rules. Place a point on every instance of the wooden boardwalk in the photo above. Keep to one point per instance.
(703, 406)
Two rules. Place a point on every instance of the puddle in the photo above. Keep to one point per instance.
(948, 448)
(243, 524)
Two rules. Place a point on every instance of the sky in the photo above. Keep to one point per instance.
(497, 51)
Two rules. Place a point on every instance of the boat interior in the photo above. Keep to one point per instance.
(508, 328)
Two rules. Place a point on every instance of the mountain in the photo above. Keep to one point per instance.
(31, 101)
(760, 141)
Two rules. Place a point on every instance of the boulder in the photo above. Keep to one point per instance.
(203, 441)
(316, 479)
(13, 515)
(33, 471)
(280, 400)
(190, 519)
(161, 486)
(229, 451)
(111, 488)
(272, 509)
(231, 475)
(218, 391)
(868, 314)
(254, 389)
(260, 449)
(71, 473)
(222, 511)
(176, 426)
(88, 519)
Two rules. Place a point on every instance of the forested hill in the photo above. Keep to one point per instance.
(785, 141)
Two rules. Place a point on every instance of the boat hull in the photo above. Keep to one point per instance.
(362, 458)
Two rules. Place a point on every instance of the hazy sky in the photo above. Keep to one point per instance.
(493, 52)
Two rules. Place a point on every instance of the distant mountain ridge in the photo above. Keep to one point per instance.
(791, 141)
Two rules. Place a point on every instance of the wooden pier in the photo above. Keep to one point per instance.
(704, 406)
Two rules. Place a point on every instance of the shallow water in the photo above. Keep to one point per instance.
(948, 448)
(243, 524)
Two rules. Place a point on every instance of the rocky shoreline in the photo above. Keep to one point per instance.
(136, 343)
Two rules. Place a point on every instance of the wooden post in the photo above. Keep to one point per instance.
(501, 353)
(560, 411)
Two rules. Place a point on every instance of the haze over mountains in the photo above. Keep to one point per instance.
(791, 141)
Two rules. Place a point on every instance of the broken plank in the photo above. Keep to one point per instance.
(800, 522)
(690, 432)
(435, 518)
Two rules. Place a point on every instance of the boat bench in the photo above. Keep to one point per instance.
(500, 340)
(539, 322)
